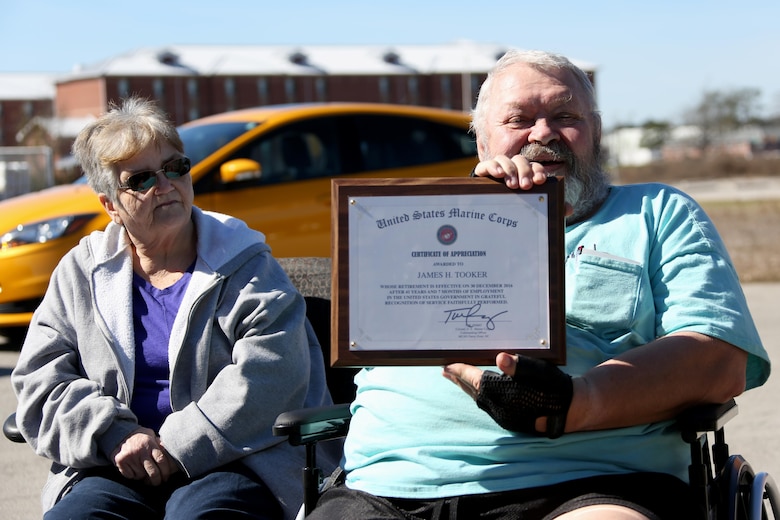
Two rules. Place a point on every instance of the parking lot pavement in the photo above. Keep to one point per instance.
(22, 473)
(734, 189)
(753, 433)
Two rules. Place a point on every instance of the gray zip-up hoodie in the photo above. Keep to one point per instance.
(240, 353)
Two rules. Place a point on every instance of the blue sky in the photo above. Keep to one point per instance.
(654, 59)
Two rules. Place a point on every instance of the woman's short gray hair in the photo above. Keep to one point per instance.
(118, 135)
(540, 60)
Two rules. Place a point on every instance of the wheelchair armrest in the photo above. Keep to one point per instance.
(310, 425)
(10, 429)
(705, 418)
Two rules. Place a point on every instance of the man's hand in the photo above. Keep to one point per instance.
(468, 377)
(531, 395)
(141, 456)
(517, 172)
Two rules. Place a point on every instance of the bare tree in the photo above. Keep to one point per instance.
(655, 134)
(719, 112)
(774, 113)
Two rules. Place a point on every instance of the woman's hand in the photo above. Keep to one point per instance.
(141, 456)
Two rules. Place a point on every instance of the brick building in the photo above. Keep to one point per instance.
(23, 96)
(192, 81)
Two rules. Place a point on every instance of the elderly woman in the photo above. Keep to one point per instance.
(164, 348)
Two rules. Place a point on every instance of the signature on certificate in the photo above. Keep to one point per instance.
(470, 315)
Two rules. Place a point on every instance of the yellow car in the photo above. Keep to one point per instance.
(269, 166)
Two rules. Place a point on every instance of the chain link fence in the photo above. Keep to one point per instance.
(24, 169)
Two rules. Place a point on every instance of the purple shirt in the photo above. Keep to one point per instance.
(154, 311)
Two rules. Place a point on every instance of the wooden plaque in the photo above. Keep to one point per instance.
(441, 270)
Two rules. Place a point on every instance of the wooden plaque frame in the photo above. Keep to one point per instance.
(349, 193)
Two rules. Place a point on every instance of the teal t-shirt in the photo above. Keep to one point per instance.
(647, 264)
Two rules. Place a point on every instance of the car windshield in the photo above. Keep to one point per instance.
(203, 140)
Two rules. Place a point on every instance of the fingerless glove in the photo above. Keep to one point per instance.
(538, 389)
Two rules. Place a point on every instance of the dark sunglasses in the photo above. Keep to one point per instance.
(143, 180)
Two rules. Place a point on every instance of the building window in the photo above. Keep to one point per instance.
(158, 87)
(289, 90)
(321, 88)
(262, 90)
(230, 94)
(413, 85)
(192, 88)
(123, 88)
(384, 89)
(446, 92)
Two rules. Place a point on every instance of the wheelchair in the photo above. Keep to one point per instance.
(727, 486)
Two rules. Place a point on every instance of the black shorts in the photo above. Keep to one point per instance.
(657, 496)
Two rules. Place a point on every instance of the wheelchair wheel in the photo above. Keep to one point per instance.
(765, 493)
(737, 492)
(744, 494)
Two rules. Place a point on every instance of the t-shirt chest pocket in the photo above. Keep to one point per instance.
(602, 292)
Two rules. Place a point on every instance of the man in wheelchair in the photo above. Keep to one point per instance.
(656, 322)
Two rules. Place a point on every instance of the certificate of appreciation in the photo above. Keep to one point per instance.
(433, 271)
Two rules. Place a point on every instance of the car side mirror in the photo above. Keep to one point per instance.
(240, 170)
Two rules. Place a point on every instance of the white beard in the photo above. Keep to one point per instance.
(585, 184)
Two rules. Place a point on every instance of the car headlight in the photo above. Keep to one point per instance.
(45, 230)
